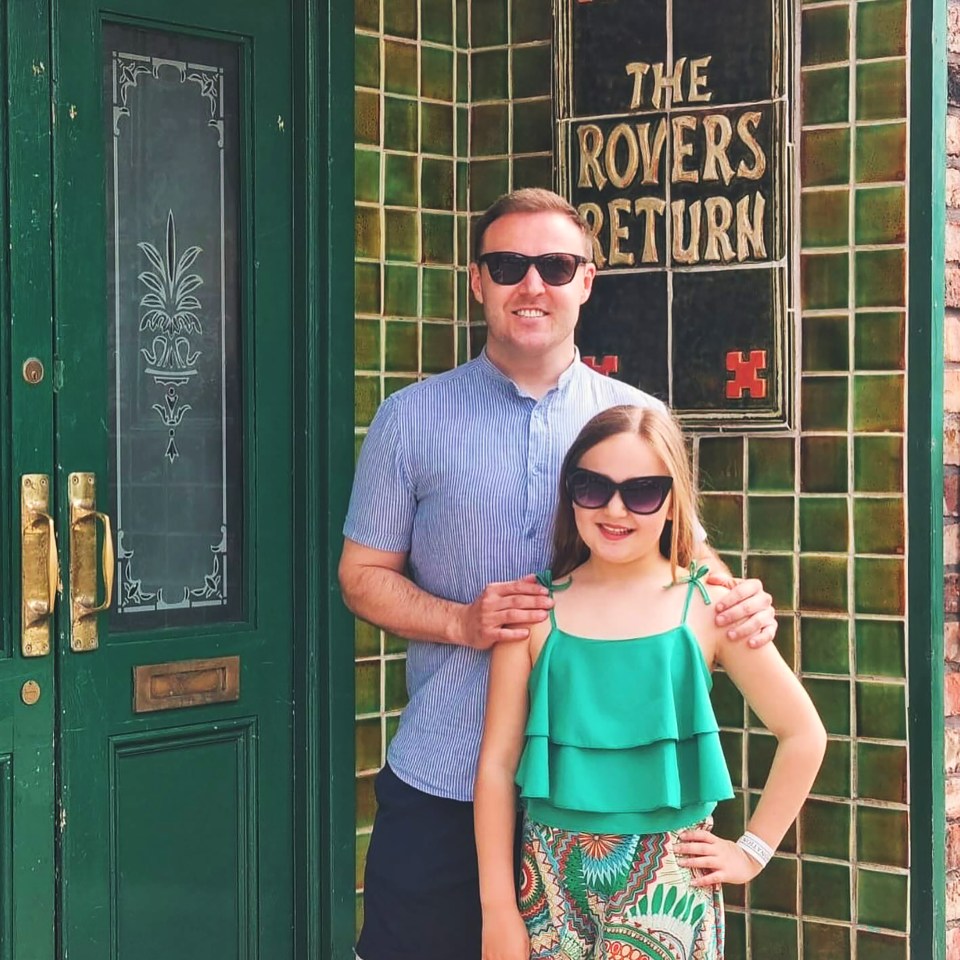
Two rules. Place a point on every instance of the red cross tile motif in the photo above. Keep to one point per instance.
(606, 364)
(746, 374)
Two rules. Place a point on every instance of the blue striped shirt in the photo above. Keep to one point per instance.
(461, 472)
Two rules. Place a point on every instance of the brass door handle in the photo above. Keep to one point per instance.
(39, 565)
(84, 608)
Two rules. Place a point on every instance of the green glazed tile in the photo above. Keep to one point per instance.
(773, 938)
(883, 837)
(779, 890)
(366, 117)
(392, 723)
(881, 710)
(825, 35)
(400, 67)
(770, 523)
(881, 648)
(366, 61)
(366, 175)
(366, 639)
(463, 183)
(400, 18)
(463, 77)
(880, 946)
(826, 890)
(366, 399)
(400, 285)
(401, 235)
(532, 67)
(366, 280)
(437, 238)
(438, 294)
(878, 464)
(401, 349)
(879, 341)
(394, 684)
(462, 345)
(785, 640)
(882, 899)
(362, 845)
(825, 829)
(824, 645)
(732, 744)
(366, 347)
(436, 129)
(776, 573)
(823, 583)
(826, 343)
(823, 524)
(462, 22)
(399, 124)
(463, 138)
(366, 232)
(822, 940)
(882, 772)
(770, 463)
(832, 700)
(881, 90)
(400, 180)
(488, 80)
(533, 172)
(463, 244)
(881, 29)
(727, 701)
(728, 819)
(825, 95)
(531, 21)
(366, 802)
(722, 516)
(733, 561)
(824, 218)
(478, 337)
(393, 384)
(489, 129)
(533, 127)
(833, 779)
(879, 586)
(824, 280)
(436, 184)
(823, 403)
(878, 403)
(825, 157)
(823, 464)
(878, 525)
(721, 463)
(489, 179)
(367, 686)
(367, 744)
(488, 27)
(438, 347)
(881, 152)
(760, 750)
(366, 14)
(880, 215)
(393, 644)
(436, 21)
(736, 932)
(436, 74)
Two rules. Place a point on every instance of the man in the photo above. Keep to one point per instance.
(450, 516)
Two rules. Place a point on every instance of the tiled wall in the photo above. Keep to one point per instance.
(453, 108)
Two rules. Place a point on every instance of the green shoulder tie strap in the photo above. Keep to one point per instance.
(695, 579)
(545, 579)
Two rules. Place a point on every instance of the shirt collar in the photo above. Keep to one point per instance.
(568, 377)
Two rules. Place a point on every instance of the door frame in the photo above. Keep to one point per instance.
(324, 818)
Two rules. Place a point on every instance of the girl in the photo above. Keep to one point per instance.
(603, 718)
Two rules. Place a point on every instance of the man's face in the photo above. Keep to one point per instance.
(531, 319)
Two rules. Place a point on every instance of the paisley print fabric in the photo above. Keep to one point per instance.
(614, 897)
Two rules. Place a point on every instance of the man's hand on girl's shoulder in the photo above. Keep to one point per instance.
(746, 610)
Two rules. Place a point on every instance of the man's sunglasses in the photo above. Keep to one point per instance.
(555, 269)
(643, 495)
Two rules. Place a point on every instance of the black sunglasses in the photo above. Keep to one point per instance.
(643, 495)
(555, 269)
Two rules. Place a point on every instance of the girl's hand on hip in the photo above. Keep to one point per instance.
(717, 860)
(505, 935)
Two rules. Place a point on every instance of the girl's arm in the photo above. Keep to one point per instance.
(775, 694)
(495, 802)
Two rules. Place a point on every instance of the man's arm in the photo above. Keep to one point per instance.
(375, 588)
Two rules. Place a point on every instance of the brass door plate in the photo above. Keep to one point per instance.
(30, 692)
(36, 542)
(187, 683)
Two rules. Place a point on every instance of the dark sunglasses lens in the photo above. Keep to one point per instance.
(557, 269)
(590, 491)
(644, 496)
(507, 268)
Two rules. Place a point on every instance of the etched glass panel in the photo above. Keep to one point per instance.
(172, 147)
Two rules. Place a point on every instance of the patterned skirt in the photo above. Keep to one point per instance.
(614, 897)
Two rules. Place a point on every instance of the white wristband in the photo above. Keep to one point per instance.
(756, 848)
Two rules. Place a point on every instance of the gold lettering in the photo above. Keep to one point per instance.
(637, 71)
(750, 232)
(661, 82)
(618, 232)
(593, 217)
(650, 208)
(622, 132)
(719, 217)
(591, 143)
(749, 119)
(651, 153)
(718, 132)
(698, 80)
(691, 252)
(681, 149)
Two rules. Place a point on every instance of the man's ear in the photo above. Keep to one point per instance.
(589, 272)
(475, 285)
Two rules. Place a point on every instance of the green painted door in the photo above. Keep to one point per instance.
(146, 797)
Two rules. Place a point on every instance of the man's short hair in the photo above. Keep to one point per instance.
(529, 200)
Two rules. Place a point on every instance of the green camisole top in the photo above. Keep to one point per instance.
(621, 736)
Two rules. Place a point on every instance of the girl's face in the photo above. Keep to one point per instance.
(612, 532)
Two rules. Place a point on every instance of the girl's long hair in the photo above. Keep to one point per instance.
(660, 430)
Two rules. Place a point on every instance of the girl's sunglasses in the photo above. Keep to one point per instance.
(555, 269)
(591, 491)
